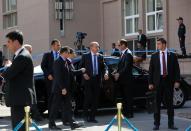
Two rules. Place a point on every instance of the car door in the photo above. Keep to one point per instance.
(140, 83)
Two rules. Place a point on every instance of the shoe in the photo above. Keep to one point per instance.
(93, 121)
(54, 127)
(156, 128)
(172, 127)
(66, 123)
(74, 126)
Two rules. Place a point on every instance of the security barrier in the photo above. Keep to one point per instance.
(119, 117)
(27, 120)
(188, 129)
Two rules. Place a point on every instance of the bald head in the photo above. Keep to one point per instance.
(28, 47)
(94, 47)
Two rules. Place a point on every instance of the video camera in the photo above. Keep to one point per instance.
(80, 35)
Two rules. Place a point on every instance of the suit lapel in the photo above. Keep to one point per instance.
(158, 62)
(51, 56)
(90, 62)
(168, 61)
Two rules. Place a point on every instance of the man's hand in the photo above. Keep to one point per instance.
(8, 63)
(64, 92)
(106, 77)
(151, 86)
(116, 76)
(83, 70)
(176, 85)
(86, 77)
(50, 77)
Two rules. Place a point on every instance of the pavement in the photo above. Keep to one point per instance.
(142, 120)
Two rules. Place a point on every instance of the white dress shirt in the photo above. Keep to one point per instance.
(128, 50)
(161, 63)
(18, 51)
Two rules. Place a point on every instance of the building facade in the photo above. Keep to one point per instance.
(157, 18)
(105, 21)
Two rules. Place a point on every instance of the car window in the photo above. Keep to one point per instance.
(135, 71)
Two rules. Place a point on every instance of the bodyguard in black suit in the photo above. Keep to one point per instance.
(115, 51)
(142, 39)
(73, 73)
(47, 66)
(20, 78)
(61, 95)
(164, 75)
(123, 76)
(1, 59)
(96, 68)
(181, 35)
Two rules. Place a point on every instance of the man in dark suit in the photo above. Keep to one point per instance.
(20, 78)
(47, 67)
(1, 59)
(61, 95)
(35, 114)
(142, 39)
(181, 35)
(164, 75)
(123, 76)
(96, 68)
(115, 51)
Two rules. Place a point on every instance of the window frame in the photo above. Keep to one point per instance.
(155, 12)
(131, 17)
(8, 13)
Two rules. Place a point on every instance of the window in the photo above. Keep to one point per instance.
(151, 45)
(63, 11)
(9, 13)
(132, 45)
(154, 13)
(135, 72)
(68, 9)
(131, 17)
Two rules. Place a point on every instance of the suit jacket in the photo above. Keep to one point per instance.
(1, 59)
(155, 69)
(125, 66)
(116, 53)
(143, 40)
(181, 30)
(73, 74)
(20, 80)
(61, 76)
(86, 62)
(47, 63)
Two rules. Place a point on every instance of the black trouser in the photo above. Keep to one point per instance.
(182, 45)
(164, 93)
(91, 96)
(49, 93)
(63, 102)
(17, 115)
(125, 92)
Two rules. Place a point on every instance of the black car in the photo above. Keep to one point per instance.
(108, 89)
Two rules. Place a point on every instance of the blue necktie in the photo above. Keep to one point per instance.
(56, 55)
(94, 66)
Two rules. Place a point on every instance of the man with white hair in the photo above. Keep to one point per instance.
(34, 109)
(96, 68)
(28, 47)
